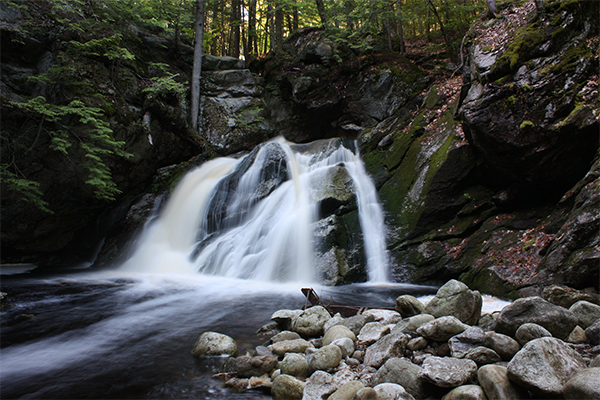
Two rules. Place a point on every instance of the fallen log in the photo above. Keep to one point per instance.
(345, 311)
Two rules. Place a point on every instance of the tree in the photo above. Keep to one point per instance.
(321, 9)
(491, 8)
(197, 68)
(401, 49)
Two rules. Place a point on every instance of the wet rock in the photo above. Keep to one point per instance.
(391, 391)
(530, 331)
(295, 365)
(372, 332)
(593, 333)
(557, 320)
(347, 391)
(457, 300)
(346, 345)
(447, 371)
(247, 367)
(565, 296)
(496, 385)
(483, 356)
(461, 344)
(326, 357)
(466, 392)
(504, 345)
(289, 346)
(319, 386)
(284, 317)
(408, 306)
(586, 312)
(411, 324)
(285, 335)
(441, 329)
(404, 373)
(214, 344)
(544, 366)
(337, 332)
(583, 385)
(385, 317)
(392, 345)
(237, 385)
(286, 387)
(311, 321)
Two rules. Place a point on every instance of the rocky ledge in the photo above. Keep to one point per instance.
(536, 347)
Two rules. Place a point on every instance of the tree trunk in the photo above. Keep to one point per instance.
(197, 69)
(295, 23)
(401, 48)
(449, 47)
(491, 8)
(321, 9)
(251, 46)
(278, 25)
(236, 21)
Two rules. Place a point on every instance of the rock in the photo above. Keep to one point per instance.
(295, 365)
(356, 323)
(593, 333)
(455, 299)
(469, 339)
(260, 382)
(346, 345)
(544, 366)
(412, 323)
(337, 332)
(583, 385)
(466, 392)
(311, 321)
(392, 345)
(326, 357)
(346, 391)
(404, 373)
(286, 387)
(504, 345)
(577, 336)
(263, 351)
(447, 372)
(418, 343)
(284, 317)
(496, 385)
(289, 346)
(337, 319)
(345, 374)
(372, 332)
(214, 63)
(408, 306)
(366, 393)
(385, 317)
(530, 331)
(441, 329)
(595, 363)
(319, 386)
(557, 320)
(482, 356)
(237, 385)
(247, 367)
(565, 296)
(285, 335)
(391, 391)
(586, 312)
(214, 344)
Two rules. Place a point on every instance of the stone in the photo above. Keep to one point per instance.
(593, 333)
(385, 317)
(457, 300)
(447, 372)
(505, 346)
(214, 344)
(289, 346)
(586, 312)
(583, 385)
(346, 345)
(285, 335)
(404, 373)
(391, 391)
(466, 392)
(441, 329)
(544, 366)
(577, 336)
(417, 343)
(247, 367)
(483, 355)
(595, 363)
(344, 374)
(557, 320)
(392, 345)
(372, 332)
(237, 385)
(337, 332)
(294, 364)
(347, 391)
(366, 393)
(311, 321)
(284, 317)
(286, 387)
(337, 319)
(412, 323)
(319, 386)
(408, 306)
(530, 331)
(356, 323)
(565, 296)
(462, 343)
(260, 382)
(326, 357)
(496, 385)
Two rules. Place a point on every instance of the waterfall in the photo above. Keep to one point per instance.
(254, 218)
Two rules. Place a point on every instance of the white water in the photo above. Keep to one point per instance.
(274, 240)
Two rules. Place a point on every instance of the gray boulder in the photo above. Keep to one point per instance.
(392, 345)
(319, 386)
(412, 323)
(347, 391)
(286, 387)
(441, 329)
(285, 335)
(295, 365)
(565, 296)
(461, 344)
(586, 312)
(284, 317)
(385, 317)
(404, 373)
(346, 345)
(391, 391)
(593, 333)
(408, 306)
(557, 320)
(337, 332)
(504, 345)
(311, 321)
(456, 299)
(366, 393)
(356, 322)
(544, 366)
(247, 367)
(496, 385)
(447, 372)
(577, 336)
(372, 332)
(530, 331)
(214, 344)
(466, 392)
(483, 356)
(583, 385)
(326, 357)
(289, 346)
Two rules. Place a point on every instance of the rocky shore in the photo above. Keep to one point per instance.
(535, 347)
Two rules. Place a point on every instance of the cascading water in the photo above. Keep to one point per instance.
(254, 218)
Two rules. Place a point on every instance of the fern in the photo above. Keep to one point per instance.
(28, 190)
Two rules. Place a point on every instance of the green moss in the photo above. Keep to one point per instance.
(527, 40)
(525, 125)
(571, 58)
(432, 98)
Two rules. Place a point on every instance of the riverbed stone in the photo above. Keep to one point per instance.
(583, 385)
(319, 386)
(404, 373)
(356, 323)
(587, 313)
(289, 346)
(372, 332)
(529, 331)
(544, 366)
(577, 336)
(443, 328)
(391, 391)
(408, 306)
(337, 319)
(504, 345)
(385, 317)
(496, 385)
(593, 333)
(417, 343)
(347, 391)
(284, 335)
(462, 343)
(366, 393)
(287, 387)
(392, 345)
(311, 321)
(294, 364)
(284, 317)
(447, 372)
(565, 296)
(337, 332)
(214, 344)
(346, 345)
(483, 356)
(457, 300)
(411, 324)
(326, 357)
(466, 392)
(247, 367)
(557, 320)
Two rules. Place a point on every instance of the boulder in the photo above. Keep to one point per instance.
(447, 372)
(577, 336)
(247, 367)
(483, 356)
(286, 387)
(417, 343)
(441, 329)
(412, 323)
(565, 296)
(337, 332)
(392, 345)
(289, 346)
(319, 386)
(326, 357)
(496, 385)
(385, 317)
(530, 331)
(347, 391)
(366, 393)
(295, 365)
(337, 319)
(285, 335)
(284, 317)
(583, 385)
(214, 344)
(466, 392)
(457, 300)
(346, 345)
(391, 391)
(557, 320)
(356, 323)
(593, 333)
(586, 312)
(311, 321)
(461, 344)
(372, 332)
(404, 373)
(544, 366)
(504, 345)
(408, 306)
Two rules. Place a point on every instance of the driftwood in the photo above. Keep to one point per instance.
(346, 311)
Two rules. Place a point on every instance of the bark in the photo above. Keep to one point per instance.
(197, 68)
(491, 8)
(447, 39)
(279, 26)
(235, 25)
(401, 48)
(252, 45)
(321, 10)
